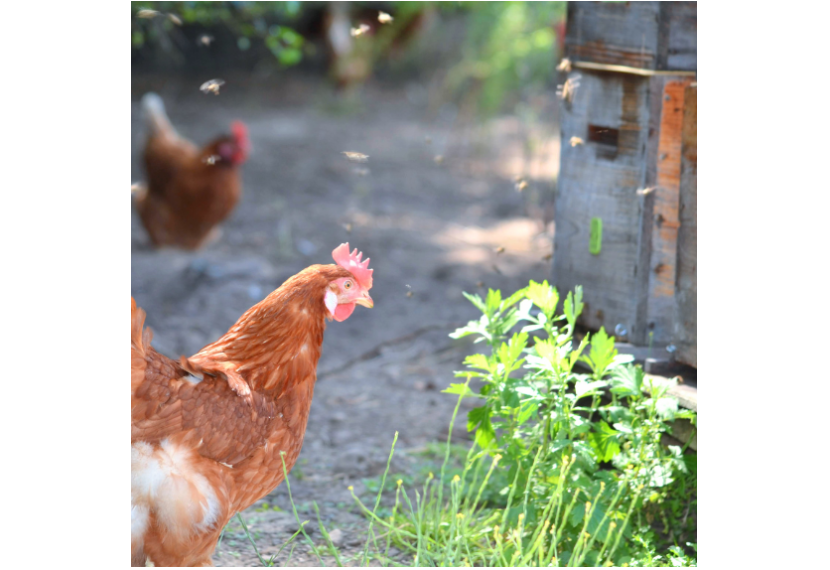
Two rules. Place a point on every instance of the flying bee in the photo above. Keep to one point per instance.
(147, 14)
(136, 187)
(438, 159)
(564, 65)
(175, 19)
(646, 191)
(499, 250)
(348, 228)
(521, 185)
(360, 31)
(212, 86)
(212, 159)
(356, 156)
(496, 269)
(205, 40)
(548, 257)
(384, 18)
(567, 90)
(576, 141)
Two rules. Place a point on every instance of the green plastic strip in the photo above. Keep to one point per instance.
(595, 245)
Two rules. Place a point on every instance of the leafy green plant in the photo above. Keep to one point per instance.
(567, 466)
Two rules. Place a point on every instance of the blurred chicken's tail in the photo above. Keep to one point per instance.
(155, 116)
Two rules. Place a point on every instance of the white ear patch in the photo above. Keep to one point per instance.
(331, 301)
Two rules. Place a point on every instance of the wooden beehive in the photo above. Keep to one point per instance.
(618, 195)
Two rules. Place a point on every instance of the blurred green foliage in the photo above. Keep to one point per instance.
(509, 46)
(508, 50)
(248, 21)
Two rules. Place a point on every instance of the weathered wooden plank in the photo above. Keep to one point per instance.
(625, 69)
(646, 35)
(682, 44)
(665, 218)
(621, 33)
(641, 328)
(598, 179)
(685, 330)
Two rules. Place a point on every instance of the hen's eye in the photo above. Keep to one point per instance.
(348, 285)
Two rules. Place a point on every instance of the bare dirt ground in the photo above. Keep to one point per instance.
(431, 227)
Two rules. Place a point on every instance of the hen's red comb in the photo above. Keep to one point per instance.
(351, 261)
(240, 133)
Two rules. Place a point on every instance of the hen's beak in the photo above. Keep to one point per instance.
(365, 301)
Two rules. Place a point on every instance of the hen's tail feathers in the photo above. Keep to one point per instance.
(140, 344)
(155, 115)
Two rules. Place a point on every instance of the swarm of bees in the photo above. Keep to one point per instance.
(356, 156)
(212, 86)
(384, 18)
(576, 141)
(564, 65)
(567, 90)
(359, 31)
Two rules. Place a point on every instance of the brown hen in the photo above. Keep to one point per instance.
(189, 190)
(208, 431)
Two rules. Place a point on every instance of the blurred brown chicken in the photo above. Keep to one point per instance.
(188, 190)
(210, 432)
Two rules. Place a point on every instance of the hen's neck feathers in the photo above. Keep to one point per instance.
(278, 341)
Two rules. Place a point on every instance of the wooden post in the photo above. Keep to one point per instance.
(685, 329)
